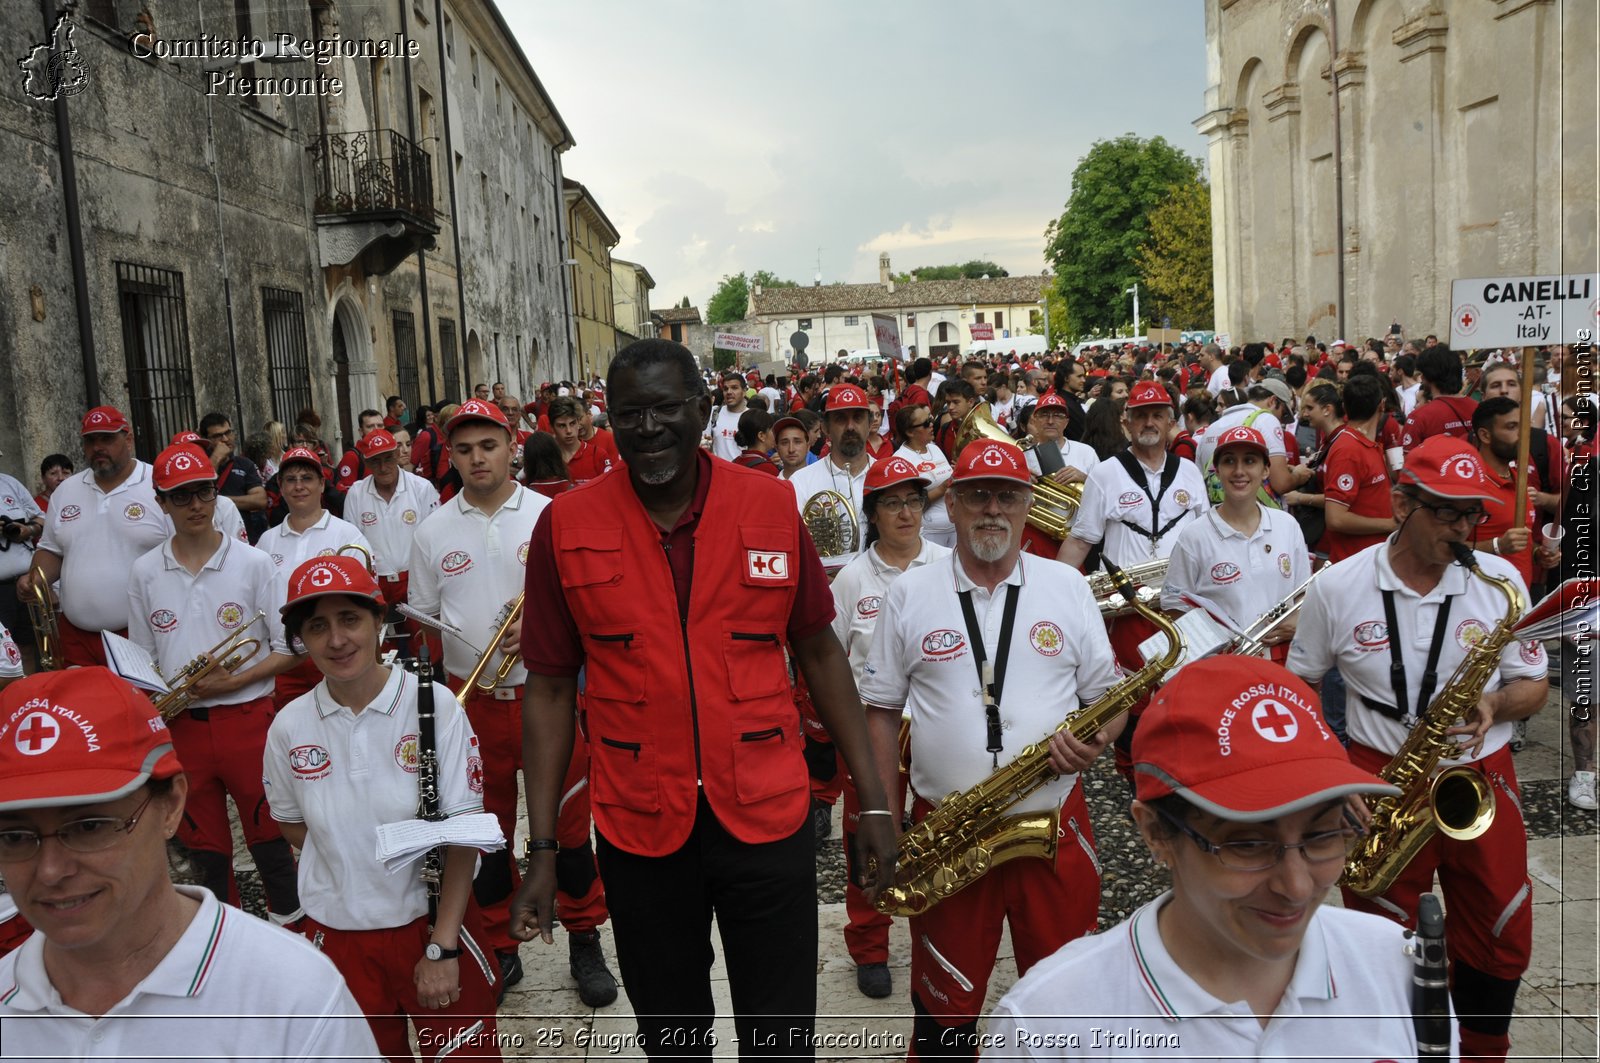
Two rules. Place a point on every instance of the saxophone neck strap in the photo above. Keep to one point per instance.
(1136, 472)
(1397, 663)
(991, 677)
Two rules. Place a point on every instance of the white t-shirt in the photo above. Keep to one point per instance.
(722, 429)
(1271, 429)
(467, 567)
(932, 464)
(1218, 381)
(98, 536)
(176, 616)
(232, 987)
(1005, 412)
(1342, 625)
(858, 592)
(774, 397)
(1408, 398)
(18, 504)
(1076, 455)
(390, 525)
(1121, 995)
(823, 475)
(345, 774)
(921, 661)
(1112, 500)
(1244, 575)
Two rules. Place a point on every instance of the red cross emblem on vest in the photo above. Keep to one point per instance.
(763, 565)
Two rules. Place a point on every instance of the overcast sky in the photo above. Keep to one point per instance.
(724, 135)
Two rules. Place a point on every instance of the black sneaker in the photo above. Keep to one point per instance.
(510, 972)
(874, 980)
(597, 987)
(821, 822)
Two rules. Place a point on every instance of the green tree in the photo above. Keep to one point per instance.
(730, 301)
(685, 304)
(1093, 246)
(954, 271)
(721, 359)
(1175, 262)
(764, 279)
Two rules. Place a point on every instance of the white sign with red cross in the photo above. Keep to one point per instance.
(1524, 311)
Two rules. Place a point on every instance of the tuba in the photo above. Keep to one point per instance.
(831, 520)
(42, 616)
(228, 654)
(480, 671)
(1458, 800)
(1055, 506)
(970, 832)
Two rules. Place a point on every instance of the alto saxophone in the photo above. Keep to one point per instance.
(970, 832)
(1458, 800)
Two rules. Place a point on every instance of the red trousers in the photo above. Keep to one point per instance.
(1488, 899)
(80, 648)
(822, 761)
(498, 726)
(296, 681)
(1039, 544)
(13, 932)
(222, 757)
(380, 966)
(1047, 903)
(866, 934)
(1126, 632)
(395, 591)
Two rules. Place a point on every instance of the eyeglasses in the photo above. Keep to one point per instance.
(894, 505)
(921, 424)
(89, 835)
(1260, 854)
(215, 436)
(182, 498)
(301, 480)
(633, 417)
(977, 499)
(388, 458)
(1450, 514)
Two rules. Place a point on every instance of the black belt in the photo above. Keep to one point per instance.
(202, 713)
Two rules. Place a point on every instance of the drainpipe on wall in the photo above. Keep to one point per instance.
(69, 201)
(422, 255)
(222, 243)
(1338, 155)
(562, 251)
(450, 175)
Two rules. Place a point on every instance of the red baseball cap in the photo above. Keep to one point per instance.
(1147, 393)
(1272, 361)
(331, 574)
(180, 464)
(78, 737)
(992, 459)
(787, 422)
(846, 397)
(1243, 436)
(890, 472)
(478, 410)
(188, 437)
(1242, 738)
(299, 456)
(1050, 401)
(104, 419)
(1446, 466)
(376, 442)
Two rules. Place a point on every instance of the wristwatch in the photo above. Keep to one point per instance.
(438, 952)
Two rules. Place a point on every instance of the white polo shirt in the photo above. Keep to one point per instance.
(1342, 625)
(18, 504)
(344, 774)
(921, 661)
(1121, 995)
(226, 519)
(1080, 456)
(290, 549)
(97, 536)
(1271, 429)
(232, 987)
(1111, 497)
(1218, 379)
(467, 566)
(723, 427)
(935, 468)
(823, 475)
(1245, 575)
(390, 525)
(858, 592)
(177, 616)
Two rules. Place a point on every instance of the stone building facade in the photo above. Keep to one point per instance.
(1462, 144)
(631, 285)
(263, 253)
(591, 236)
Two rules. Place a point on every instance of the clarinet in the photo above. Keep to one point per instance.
(1430, 989)
(428, 776)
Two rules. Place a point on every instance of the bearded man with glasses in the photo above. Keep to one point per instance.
(1396, 619)
(122, 963)
(985, 654)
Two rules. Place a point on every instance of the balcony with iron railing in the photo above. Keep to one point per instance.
(374, 197)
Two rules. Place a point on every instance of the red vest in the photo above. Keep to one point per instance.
(708, 700)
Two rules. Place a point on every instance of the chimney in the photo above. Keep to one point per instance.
(884, 272)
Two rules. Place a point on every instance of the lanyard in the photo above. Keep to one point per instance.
(1169, 473)
(992, 678)
(1397, 664)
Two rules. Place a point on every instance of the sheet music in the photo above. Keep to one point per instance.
(1202, 636)
(406, 610)
(126, 659)
(404, 843)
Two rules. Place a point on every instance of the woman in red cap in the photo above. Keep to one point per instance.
(915, 425)
(1241, 794)
(343, 760)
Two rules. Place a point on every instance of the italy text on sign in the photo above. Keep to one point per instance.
(886, 331)
(1523, 311)
(982, 332)
(733, 341)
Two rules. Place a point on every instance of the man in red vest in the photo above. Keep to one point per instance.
(700, 790)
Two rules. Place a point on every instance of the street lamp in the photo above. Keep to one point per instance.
(1045, 302)
(1134, 291)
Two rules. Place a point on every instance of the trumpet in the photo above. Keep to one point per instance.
(480, 671)
(1248, 643)
(228, 654)
(42, 616)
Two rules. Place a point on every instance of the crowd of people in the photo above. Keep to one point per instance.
(882, 585)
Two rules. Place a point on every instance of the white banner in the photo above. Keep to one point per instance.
(1523, 311)
(886, 331)
(733, 341)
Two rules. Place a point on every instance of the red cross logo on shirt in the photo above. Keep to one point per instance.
(37, 734)
(1273, 721)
